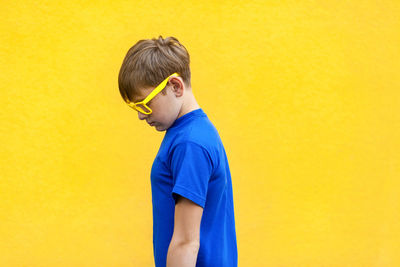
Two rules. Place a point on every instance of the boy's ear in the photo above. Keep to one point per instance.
(177, 86)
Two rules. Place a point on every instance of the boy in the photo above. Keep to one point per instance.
(193, 212)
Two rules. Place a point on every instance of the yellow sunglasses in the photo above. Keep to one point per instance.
(141, 106)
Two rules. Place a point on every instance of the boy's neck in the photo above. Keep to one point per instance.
(188, 105)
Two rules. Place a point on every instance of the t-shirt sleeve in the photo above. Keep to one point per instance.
(191, 167)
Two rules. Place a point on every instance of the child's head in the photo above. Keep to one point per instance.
(145, 66)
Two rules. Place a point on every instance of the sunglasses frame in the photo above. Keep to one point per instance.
(153, 93)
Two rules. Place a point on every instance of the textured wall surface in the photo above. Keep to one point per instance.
(305, 96)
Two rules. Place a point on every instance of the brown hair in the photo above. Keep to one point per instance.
(149, 62)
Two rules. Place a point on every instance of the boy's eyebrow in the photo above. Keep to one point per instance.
(141, 98)
(135, 100)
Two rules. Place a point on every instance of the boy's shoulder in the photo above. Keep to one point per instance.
(200, 136)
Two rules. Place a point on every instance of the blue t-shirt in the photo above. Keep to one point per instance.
(192, 162)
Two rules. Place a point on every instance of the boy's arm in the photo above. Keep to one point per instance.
(185, 242)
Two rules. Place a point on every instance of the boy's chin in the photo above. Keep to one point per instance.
(159, 128)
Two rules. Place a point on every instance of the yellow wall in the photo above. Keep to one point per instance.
(305, 96)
